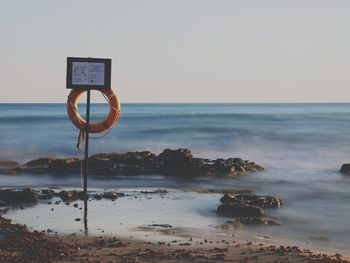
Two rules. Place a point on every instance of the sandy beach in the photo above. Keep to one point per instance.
(69, 242)
(18, 244)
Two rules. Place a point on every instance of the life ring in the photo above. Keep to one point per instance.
(80, 123)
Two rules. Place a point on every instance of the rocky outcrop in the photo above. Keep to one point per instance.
(240, 210)
(248, 208)
(9, 167)
(178, 162)
(266, 201)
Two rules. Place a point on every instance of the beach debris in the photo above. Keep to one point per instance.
(179, 162)
(247, 209)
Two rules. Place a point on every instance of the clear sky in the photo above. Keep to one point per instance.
(180, 50)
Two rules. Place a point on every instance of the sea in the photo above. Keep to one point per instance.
(301, 145)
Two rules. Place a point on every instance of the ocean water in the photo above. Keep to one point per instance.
(302, 147)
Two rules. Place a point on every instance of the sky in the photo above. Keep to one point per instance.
(180, 50)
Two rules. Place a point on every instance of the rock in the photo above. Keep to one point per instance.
(239, 210)
(247, 209)
(9, 171)
(9, 167)
(223, 167)
(9, 164)
(41, 162)
(161, 225)
(18, 197)
(178, 162)
(240, 222)
(139, 158)
(112, 195)
(69, 196)
(68, 165)
(157, 191)
(38, 166)
(345, 169)
(182, 162)
(260, 201)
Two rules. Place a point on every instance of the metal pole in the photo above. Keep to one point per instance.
(85, 171)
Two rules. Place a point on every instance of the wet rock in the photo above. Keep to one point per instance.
(68, 165)
(157, 191)
(247, 209)
(38, 166)
(161, 225)
(258, 221)
(53, 165)
(139, 158)
(9, 167)
(345, 169)
(46, 194)
(129, 163)
(69, 196)
(178, 162)
(223, 167)
(41, 162)
(112, 195)
(181, 162)
(251, 199)
(18, 197)
(240, 210)
(9, 164)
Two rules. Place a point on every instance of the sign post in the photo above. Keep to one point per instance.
(87, 74)
(85, 172)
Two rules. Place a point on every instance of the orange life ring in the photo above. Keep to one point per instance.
(80, 123)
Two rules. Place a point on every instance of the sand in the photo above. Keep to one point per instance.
(18, 244)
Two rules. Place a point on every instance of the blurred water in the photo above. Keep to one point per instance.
(301, 145)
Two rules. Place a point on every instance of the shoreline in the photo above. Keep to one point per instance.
(25, 245)
(162, 241)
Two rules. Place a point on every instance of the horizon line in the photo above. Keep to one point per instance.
(283, 102)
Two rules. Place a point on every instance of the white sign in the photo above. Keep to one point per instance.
(88, 73)
(96, 73)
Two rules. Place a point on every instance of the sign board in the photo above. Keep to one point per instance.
(88, 73)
